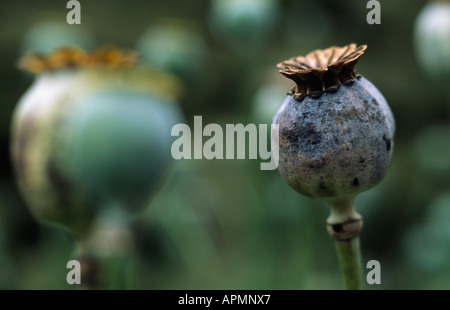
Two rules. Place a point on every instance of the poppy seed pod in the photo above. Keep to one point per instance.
(173, 46)
(244, 24)
(431, 40)
(92, 132)
(336, 132)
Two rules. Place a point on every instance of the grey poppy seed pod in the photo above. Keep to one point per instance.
(337, 145)
(335, 133)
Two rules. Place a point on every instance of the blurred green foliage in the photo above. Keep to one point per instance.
(225, 224)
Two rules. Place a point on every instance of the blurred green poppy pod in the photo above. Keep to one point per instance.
(268, 98)
(244, 24)
(51, 32)
(173, 46)
(432, 40)
(336, 132)
(92, 132)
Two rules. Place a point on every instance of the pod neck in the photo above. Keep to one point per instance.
(344, 223)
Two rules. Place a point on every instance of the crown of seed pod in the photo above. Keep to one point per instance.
(92, 131)
(336, 132)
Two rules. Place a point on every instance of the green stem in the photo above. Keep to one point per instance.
(106, 256)
(349, 255)
(100, 272)
(119, 273)
(344, 225)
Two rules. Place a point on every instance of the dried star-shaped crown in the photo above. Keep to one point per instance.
(322, 70)
(71, 57)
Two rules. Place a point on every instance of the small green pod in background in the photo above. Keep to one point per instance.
(432, 40)
(50, 32)
(244, 24)
(175, 46)
(92, 132)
